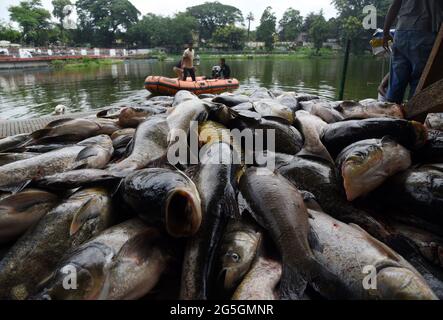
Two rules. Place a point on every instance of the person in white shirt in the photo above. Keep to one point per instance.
(188, 63)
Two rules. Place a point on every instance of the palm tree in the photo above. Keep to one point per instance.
(250, 18)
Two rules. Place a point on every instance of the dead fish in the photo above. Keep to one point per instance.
(433, 121)
(31, 259)
(109, 113)
(429, 245)
(289, 100)
(149, 147)
(322, 109)
(321, 178)
(20, 211)
(231, 100)
(347, 249)
(279, 208)
(166, 198)
(260, 283)
(131, 117)
(13, 142)
(366, 164)
(182, 96)
(272, 108)
(215, 178)
(123, 263)
(90, 153)
(75, 179)
(179, 120)
(311, 127)
(122, 133)
(369, 109)
(73, 130)
(337, 136)
(417, 191)
(239, 246)
(10, 157)
(432, 151)
(261, 94)
(303, 96)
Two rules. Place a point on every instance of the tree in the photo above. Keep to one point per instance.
(8, 33)
(214, 15)
(105, 18)
(318, 30)
(60, 13)
(250, 18)
(154, 31)
(266, 29)
(350, 17)
(233, 36)
(290, 25)
(32, 19)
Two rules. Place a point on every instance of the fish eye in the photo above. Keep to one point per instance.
(235, 257)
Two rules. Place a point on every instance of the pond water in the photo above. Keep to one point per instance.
(31, 93)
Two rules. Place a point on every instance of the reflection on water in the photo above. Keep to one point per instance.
(30, 93)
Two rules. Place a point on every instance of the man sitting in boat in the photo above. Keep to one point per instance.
(188, 63)
(222, 71)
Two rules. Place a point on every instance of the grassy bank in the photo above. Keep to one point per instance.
(84, 63)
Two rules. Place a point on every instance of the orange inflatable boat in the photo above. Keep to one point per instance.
(168, 86)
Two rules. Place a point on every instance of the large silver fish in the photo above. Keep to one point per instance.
(90, 153)
(124, 262)
(31, 259)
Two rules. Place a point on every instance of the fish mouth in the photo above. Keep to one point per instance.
(183, 214)
(228, 278)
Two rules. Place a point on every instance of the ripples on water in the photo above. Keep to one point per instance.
(32, 93)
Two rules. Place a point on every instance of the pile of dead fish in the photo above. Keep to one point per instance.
(92, 208)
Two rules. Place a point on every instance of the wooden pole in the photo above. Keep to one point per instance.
(345, 70)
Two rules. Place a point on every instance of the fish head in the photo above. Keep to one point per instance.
(183, 213)
(238, 252)
(402, 284)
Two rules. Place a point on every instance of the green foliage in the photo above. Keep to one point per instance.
(157, 31)
(233, 36)
(351, 17)
(8, 33)
(266, 29)
(318, 30)
(105, 19)
(290, 25)
(214, 15)
(33, 21)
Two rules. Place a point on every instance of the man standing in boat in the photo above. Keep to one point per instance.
(188, 63)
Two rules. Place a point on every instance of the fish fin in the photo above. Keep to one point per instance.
(229, 203)
(278, 119)
(80, 217)
(116, 188)
(16, 187)
(292, 284)
(326, 282)
(314, 241)
(58, 122)
(86, 153)
(38, 134)
(321, 153)
(139, 248)
(23, 200)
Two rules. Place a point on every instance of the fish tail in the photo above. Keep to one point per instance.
(292, 283)
(229, 204)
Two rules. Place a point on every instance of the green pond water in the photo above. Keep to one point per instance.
(35, 92)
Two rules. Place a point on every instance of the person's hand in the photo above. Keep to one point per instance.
(386, 38)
